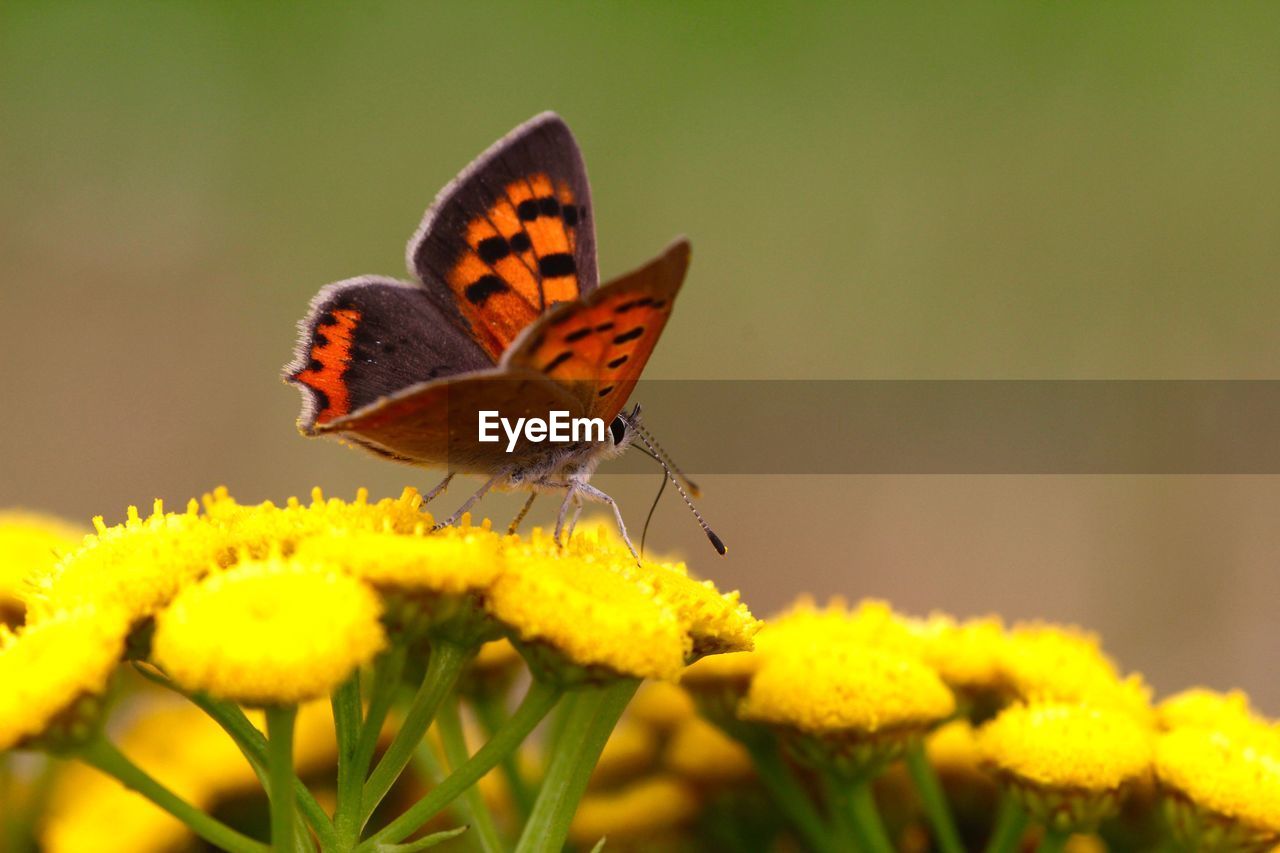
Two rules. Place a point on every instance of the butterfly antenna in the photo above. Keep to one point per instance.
(671, 475)
(644, 534)
(666, 459)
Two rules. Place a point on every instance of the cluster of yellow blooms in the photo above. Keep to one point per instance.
(395, 654)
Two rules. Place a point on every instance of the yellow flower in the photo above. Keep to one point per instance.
(1067, 762)
(30, 544)
(968, 655)
(1224, 786)
(590, 606)
(137, 566)
(715, 622)
(648, 809)
(273, 632)
(1202, 708)
(954, 746)
(1054, 663)
(704, 755)
(263, 529)
(663, 706)
(54, 674)
(847, 689)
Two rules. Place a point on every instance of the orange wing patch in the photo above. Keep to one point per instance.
(599, 347)
(329, 357)
(519, 261)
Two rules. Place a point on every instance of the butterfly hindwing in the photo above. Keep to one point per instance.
(598, 346)
(368, 337)
(511, 236)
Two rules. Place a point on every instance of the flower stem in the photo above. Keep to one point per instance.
(790, 798)
(447, 660)
(387, 670)
(103, 755)
(540, 699)
(280, 778)
(594, 716)
(253, 745)
(935, 801)
(347, 718)
(1011, 823)
(455, 752)
(490, 712)
(865, 818)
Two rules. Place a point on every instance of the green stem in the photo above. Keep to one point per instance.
(455, 751)
(491, 714)
(866, 824)
(1054, 841)
(103, 755)
(1011, 823)
(347, 719)
(387, 671)
(594, 717)
(447, 660)
(253, 745)
(540, 699)
(280, 778)
(787, 794)
(422, 843)
(935, 801)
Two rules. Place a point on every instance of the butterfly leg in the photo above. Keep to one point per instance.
(595, 494)
(524, 510)
(481, 492)
(438, 490)
(570, 495)
(573, 521)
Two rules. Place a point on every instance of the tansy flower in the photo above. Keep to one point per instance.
(427, 580)
(30, 544)
(1201, 708)
(1054, 663)
(1223, 786)
(261, 529)
(969, 655)
(662, 706)
(650, 809)
(273, 632)
(701, 753)
(852, 707)
(715, 622)
(54, 674)
(567, 610)
(137, 566)
(1068, 763)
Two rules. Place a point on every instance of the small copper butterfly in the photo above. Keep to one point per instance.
(505, 315)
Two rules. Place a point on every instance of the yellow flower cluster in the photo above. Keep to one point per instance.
(30, 544)
(268, 604)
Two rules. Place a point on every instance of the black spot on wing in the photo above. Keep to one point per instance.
(572, 337)
(618, 362)
(520, 242)
(557, 361)
(629, 336)
(605, 391)
(493, 249)
(557, 265)
(484, 287)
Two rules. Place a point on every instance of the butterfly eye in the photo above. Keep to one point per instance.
(618, 430)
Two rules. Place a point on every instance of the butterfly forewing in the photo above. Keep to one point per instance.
(368, 337)
(511, 236)
(599, 346)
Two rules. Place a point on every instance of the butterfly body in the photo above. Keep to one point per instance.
(505, 314)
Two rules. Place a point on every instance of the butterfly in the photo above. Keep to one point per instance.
(505, 314)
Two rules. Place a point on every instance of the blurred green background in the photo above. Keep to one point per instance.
(1081, 190)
